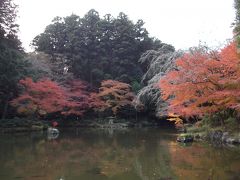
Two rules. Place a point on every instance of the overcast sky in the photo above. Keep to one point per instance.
(182, 23)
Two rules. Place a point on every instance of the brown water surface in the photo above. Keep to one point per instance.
(134, 154)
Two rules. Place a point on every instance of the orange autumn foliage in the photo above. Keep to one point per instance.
(204, 83)
(115, 95)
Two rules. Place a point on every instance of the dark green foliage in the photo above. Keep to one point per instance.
(237, 8)
(12, 67)
(136, 86)
(22, 125)
(7, 19)
(98, 48)
(227, 118)
(237, 21)
(19, 122)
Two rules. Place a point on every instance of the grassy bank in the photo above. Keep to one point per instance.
(213, 130)
(22, 125)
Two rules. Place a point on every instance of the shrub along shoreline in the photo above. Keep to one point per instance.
(227, 134)
(31, 125)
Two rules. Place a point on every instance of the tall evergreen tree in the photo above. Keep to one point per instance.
(237, 21)
(98, 48)
(11, 64)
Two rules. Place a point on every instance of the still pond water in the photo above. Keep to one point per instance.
(134, 154)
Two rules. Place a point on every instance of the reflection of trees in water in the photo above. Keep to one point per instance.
(156, 164)
(204, 162)
(90, 155)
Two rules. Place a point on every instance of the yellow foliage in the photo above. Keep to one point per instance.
(175, 118)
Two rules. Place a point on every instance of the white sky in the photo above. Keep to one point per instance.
(182, 23)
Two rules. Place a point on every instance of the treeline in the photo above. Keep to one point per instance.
(85, 66)
(95, 48)
(110, 66)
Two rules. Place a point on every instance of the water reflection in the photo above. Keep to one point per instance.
(146, 154)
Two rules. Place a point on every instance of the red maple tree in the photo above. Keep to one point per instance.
(204, 82)
(46, 96)
(77, 97)
(42, 97)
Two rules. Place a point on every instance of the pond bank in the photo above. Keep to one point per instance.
(21, 125)
(215, 135)
(30, 125)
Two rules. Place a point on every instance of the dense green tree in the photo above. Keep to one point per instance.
(8, 28)
(11, 63)
(98, 48)
(237, 21)
(237, 8)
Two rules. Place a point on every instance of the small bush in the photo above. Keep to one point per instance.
(195, 129)
(185, 135)
(231, 123)
(211, 121)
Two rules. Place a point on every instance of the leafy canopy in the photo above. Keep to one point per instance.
(98, 48)
(205, 82)
(45, 97)
(115, 95)
(12, 66)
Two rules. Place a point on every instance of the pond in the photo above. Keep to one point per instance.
(133, 154)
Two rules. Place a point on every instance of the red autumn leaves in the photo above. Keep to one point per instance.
(205, 82)
(72, 98)
(46, 96)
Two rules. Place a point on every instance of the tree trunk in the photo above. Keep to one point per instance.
(5, 108)
(222, 122)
